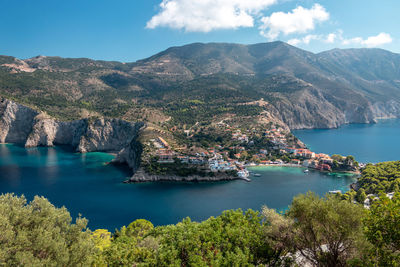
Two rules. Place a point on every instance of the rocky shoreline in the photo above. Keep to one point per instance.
(20, 124)
(142, 177)
(23, 125)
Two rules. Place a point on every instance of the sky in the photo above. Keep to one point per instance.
(129, 30)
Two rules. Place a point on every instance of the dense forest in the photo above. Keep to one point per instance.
(382, 177)
(376, 179)
(321, 231)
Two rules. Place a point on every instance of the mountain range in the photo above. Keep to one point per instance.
(200, 83)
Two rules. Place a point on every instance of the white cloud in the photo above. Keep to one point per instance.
(355, 40)
(337, 37)
(372, 41)
(294, 41)
(305, 40)
(208, 15)
(330, 38)
(299, 20)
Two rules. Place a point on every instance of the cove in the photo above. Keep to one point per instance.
(86, 185)
(367, 142)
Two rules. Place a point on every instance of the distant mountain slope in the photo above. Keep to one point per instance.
(202, 82)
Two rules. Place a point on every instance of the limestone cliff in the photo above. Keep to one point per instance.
(384, 110)
(15, 121)
(108, 135)
(300, 115)
(48, 132)
(130, 155)
(23, 125)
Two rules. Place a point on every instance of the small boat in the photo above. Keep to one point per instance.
(244, 174)
(335, 192)
(306, 171)
(257, 174)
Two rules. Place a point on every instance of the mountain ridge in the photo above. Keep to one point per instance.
(304, 89)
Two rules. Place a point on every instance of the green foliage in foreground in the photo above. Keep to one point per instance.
(231, 239)
(320, 231)
(38, 234)
(382, 230)
(326, 232)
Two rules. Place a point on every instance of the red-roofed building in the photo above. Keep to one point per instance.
(324, 167)
(295, 161)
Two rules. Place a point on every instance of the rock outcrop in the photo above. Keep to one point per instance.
(108, 135)
(385, 110)
(130, 155)
(16, 121)
(141, 177)
(23, 125)
(48, 132)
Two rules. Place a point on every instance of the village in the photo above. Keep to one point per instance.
(278, 148)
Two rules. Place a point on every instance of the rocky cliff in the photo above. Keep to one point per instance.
(130, 154)
(23, 125)
(16, 122)
(48, 132)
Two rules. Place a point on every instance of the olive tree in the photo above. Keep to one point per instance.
(321, 231)
(382, 230)
(39, 234)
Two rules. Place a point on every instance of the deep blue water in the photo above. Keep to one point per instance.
(86, 184)
(367, 142)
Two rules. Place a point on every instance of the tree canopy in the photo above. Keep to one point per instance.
(39, 234)
(320, 231)
(381, 177)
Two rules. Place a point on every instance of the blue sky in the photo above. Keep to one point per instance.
(128, 30)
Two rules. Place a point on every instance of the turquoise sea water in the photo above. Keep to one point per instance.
(85, 184)
(367, 142)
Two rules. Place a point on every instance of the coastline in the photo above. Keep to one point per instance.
(142, 177)
(288, 165)
(276, 165)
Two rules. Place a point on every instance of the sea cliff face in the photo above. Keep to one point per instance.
(130, 155)
(48, 132)
(325, 115)
(16, 121)
(23, 125)
(108, 135)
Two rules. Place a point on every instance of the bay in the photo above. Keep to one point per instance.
(87, 185)
(367, 142)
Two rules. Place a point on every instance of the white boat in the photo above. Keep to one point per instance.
(306, 171)
(243, 174)
(257, 174)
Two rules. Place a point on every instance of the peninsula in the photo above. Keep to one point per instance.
(200, 111)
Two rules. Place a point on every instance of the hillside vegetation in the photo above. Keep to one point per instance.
(381, 178)
(207, 82)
